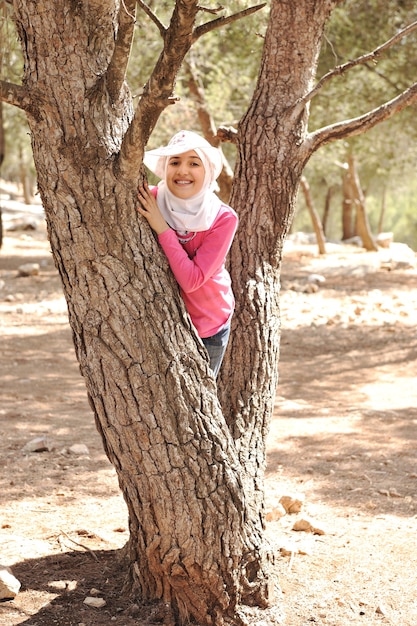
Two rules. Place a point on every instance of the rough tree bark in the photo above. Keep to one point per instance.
(192, 542)
(191, 475)
(272, 153)
(274, 144)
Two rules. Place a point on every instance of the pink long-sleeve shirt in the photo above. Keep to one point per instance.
(198, 263)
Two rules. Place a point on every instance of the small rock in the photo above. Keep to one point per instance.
(394, 493)
(381, 610)
(292, 504)
(316, 278)
(310, 288)
(79, 449)
(29, 269)
(9, 585)
(22, 224)
(68, 585)
(39, 444)
(96, 603)
(95, 592)
(275, 514)
(305, 525)
(384, 240)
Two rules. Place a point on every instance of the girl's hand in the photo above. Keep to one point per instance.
(149, 208)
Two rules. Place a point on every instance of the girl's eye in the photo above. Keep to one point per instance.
(177, 162)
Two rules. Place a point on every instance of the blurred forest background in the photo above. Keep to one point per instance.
(218, 79)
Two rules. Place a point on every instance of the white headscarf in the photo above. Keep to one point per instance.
(198, 212)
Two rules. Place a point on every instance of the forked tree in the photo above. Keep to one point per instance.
(190, 466)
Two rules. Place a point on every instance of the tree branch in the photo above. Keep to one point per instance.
(358, 125)
(341, 69)
(157, 93)
(208, 127)
(228, 134)
(153, 17)
(222, 21)
(116, 71)
(18, 96)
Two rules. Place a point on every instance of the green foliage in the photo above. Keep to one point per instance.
(226, 60)
(227, 65)
(18, 151)
(385, 155)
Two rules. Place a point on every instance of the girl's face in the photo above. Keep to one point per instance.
(185, 174)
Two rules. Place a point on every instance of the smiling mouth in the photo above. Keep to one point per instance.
(183, 182)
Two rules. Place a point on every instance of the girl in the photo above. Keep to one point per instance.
(195, 230)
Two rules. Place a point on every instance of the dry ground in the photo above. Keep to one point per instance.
(343, 436)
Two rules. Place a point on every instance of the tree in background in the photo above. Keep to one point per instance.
(190, 466)
(385, 154)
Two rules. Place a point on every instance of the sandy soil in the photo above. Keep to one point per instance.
(343, 437)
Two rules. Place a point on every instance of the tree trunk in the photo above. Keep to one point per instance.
(362, 228)
(315, 219)
(326, 210)
(270, 161)
(193, 544)
(192, 477)
(348, 204)
(2, 155)
(2, 136)
(209, 131)
(24, 179)
(382, 211)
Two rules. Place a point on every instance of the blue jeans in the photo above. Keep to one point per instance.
(216, 347)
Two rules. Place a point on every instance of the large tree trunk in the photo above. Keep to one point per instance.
(193, 544)
(271, 158)
(192, 477)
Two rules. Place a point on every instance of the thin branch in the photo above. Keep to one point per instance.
(116, 72)
(208, 127)
(81, 545)
(222, 21)
(228, 134)
(358, 125)
(212, 11)
(162, 29)
(387, 79)
(371, 56)
(196, 90)
(18, 96)
(157, 93)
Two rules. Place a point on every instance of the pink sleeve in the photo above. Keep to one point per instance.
(209, 257)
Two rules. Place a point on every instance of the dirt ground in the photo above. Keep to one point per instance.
(343, 436)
